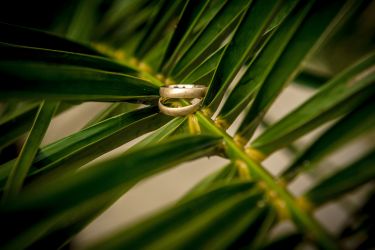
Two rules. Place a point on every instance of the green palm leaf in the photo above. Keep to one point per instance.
(314, 29)
(195, 219)
(251, 27)
(34, 38)
(159, 22)
(12, 127)
(79, 148)
(257, 72)
(359, 122)
(22, 53)
(29, 150)
(351, 87)
(214, 29)
(70, 190)
(247, 52)
(65, 82)
(190, 15)
(345, 180)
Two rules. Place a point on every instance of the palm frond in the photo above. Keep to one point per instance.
(247, 52)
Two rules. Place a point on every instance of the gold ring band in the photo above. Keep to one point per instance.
(179, 111)
(183, 91)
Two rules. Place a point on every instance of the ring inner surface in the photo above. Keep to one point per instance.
(176, 102)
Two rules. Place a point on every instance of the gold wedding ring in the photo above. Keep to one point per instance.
(179, 111)
(181, 91)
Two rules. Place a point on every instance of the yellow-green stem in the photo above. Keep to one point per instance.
(309, 224)
(303, 218)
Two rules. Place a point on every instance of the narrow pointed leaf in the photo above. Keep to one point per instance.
(165, 14)
(345, 180)
(292, 149)
(224, 225)
(63, 228)
(206, 67)
(191, 13)
(258, 71)
(11, 52)
(259, 229)
(214, 29)
(134, 23)
(359, 122)
(17, 124)
(21, 167)
(54, 197)
(286, 7)
(34, 38)
(66, 231)
(224, 175)
(320, 20)
(249, 31)
(83, 146)
(311, 79)
(195, 221)
(118, 11)
(155, 55)
(83, 21)
(335, 98)
(161, 133)
(7, 109)
(213, 8)
(113, 110)
(61, 82)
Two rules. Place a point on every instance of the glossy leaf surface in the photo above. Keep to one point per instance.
(314, 29)
(64, 82)
(72, 189)
(335, 98)
(244, 40)
(345, 180)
